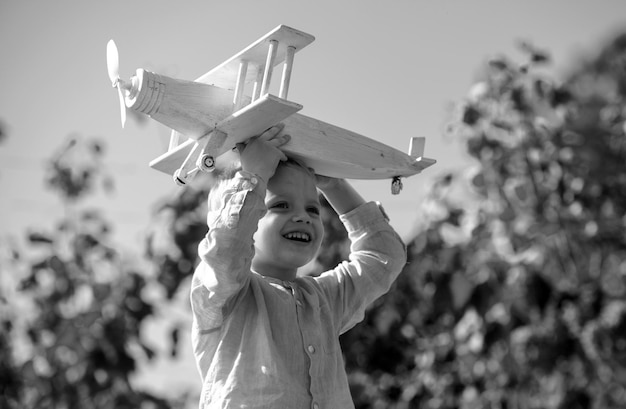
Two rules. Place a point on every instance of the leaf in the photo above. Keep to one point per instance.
(174, 336)
(39, 238)
(97, 147)
(149, 351)
(471, 115)
(461, 289)
(499, 63)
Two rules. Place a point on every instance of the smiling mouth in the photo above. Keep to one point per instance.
(298, 236)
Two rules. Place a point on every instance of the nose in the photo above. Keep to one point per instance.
(301, 218)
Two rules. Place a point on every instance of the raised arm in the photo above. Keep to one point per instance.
(235, 207)
(340, 194)
(377, 255)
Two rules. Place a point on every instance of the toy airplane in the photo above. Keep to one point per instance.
(232, 103)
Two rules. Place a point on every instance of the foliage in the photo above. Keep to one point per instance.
(515, 299)
(172, 243)
(72, 306)
(71, 330)
(513, 296)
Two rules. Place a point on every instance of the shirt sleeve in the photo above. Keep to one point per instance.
(377, 256)
(235, 208)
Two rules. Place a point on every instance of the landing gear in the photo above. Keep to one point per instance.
(206, 163)
(177, 179)
(396, 185)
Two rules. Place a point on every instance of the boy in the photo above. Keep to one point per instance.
(262, 337)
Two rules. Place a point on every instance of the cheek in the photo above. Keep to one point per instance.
(267, 228)
(320, 232)
(261, 230)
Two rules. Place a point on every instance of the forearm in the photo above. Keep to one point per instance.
(372, 239)
(342, 196)
(232, 220)
(226, 250)
(377, 256)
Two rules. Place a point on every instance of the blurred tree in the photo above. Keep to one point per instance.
(514, 294)
(70, 333)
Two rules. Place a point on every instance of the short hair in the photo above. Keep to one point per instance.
(297, 163)
(223, 175)
(229, 172)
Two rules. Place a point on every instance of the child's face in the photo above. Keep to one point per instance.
(290, 233)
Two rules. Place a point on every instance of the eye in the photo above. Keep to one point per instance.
(314, 210)
(280, 205)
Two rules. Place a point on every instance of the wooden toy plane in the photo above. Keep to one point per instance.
(232, 103)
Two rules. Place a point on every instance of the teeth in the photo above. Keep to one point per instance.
(298, 236)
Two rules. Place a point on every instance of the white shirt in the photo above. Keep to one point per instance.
(263, 343)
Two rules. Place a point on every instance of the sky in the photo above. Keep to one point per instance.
(389, 70)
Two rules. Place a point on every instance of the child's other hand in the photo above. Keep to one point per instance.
(339, 193)
(260, 154)
(325, 183)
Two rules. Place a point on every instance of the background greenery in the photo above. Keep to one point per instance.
(513, 297)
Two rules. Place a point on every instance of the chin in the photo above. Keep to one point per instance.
(296, 264)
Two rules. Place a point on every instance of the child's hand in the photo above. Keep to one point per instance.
(260, 154)
(325, 183)
(339, 193)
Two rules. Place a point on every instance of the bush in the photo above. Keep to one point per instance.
(513, 296)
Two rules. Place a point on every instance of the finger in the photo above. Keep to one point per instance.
(279, 140)
(272, 132)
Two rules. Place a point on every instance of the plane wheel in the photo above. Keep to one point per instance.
(206, 163)
(177, 179)
(396, 185)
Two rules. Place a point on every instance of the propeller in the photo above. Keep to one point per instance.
(113, 67)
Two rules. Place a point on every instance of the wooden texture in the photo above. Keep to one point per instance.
(190, 108)
(225, 74)
(330, 150)
(416, 147)
(194, 108)
(286, 77)
(337, 152)
(239, 127)
(240, 86)
(268, 68)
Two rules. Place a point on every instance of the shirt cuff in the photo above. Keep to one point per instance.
(232, 199)
(249, 181)
(367, 214)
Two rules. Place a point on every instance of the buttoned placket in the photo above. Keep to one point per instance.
(310, 347)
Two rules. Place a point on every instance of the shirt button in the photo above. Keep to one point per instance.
(316, 406)
(311, 349)
(249, 184)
